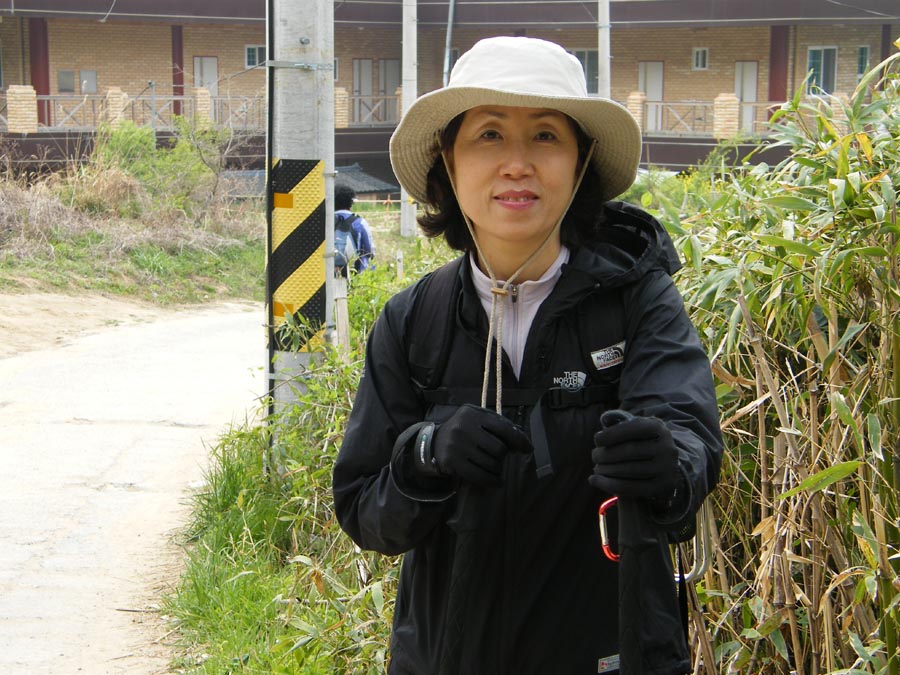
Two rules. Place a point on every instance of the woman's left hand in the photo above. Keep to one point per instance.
(636, 458)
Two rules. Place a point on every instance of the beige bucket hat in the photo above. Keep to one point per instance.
(524, 72)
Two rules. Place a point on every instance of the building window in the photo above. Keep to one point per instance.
(255, 55)
(862, 62)
(65, 81)
(821, 66)
(701, 58)
(590, 63)
(88, 80)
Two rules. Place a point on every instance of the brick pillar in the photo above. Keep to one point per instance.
(202, 107)
(114, 113)
(839, 104)
(637, 106)
(341, 108)
(726, 116)
(21, 109)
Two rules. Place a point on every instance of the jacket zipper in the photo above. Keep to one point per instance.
(507, 659)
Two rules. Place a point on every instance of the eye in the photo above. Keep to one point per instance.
(490, 134)
(546, 135)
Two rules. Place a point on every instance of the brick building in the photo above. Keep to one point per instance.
(670, 61)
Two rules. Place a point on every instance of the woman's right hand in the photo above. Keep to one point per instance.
(471, 446)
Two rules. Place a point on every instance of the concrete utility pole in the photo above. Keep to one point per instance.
(410, 86)
(604, 87)
(300, 170)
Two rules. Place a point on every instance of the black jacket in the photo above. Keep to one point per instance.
(540, 595)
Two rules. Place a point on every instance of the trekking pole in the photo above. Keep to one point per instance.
(466, 522)
(631, 662)
(640, 596)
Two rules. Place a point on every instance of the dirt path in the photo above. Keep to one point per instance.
(106, 408)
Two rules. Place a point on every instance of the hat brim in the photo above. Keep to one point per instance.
(414, 143)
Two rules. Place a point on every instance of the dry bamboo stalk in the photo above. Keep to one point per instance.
(721, 572)
(828, 622)
(779, 535)
(759, 358)
(834, 374)
(765, 482)
(884, 563)
(817, 535)
(791, 609)
(818, 579)
(706, 648)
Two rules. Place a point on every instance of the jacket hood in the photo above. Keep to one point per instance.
(629, 244)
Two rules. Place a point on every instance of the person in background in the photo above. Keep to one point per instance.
(359, 228)
(571, 373)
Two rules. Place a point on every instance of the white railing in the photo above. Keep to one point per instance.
(240, 112)
(371, 111)
(70, 112)
(249, 113)
(679, 118)
(755, 116)
(159, 112)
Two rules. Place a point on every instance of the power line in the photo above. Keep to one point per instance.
(862, 9)
(103, 20)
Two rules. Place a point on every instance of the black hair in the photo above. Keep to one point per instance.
(443, 215)
(343, 197)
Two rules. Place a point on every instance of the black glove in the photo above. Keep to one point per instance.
(470, 446)
(635, 457)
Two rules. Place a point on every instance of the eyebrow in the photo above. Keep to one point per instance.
(537, 115)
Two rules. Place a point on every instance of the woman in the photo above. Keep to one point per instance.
(489, 478)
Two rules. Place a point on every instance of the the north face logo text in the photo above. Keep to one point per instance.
(572, 380)
(608, 664)
(609, 356)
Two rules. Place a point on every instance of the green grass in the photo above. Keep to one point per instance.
(171, 266)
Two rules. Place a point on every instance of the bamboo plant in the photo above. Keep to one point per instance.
(793, 283)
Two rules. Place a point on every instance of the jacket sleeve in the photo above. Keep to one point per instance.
(368, 503)
(668, 375)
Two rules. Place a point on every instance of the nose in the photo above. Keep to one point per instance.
(517, 160)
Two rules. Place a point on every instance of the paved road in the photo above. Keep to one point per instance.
(100, 441)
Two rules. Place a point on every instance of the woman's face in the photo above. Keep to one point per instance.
(515, 170)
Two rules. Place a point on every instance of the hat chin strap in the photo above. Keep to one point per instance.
(500, 290)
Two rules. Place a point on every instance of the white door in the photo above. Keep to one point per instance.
(650, 81)
(388, 82)
(362, 91)
(206, 73)
(745, 76)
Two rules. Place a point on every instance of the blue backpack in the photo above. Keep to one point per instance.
(345, 249)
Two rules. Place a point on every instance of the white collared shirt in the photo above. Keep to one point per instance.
(520, 306)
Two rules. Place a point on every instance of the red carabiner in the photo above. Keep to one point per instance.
(604, 533)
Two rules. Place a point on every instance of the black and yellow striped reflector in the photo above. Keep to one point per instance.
(296, 265)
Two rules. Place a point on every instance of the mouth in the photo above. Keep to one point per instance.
(516, 197)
